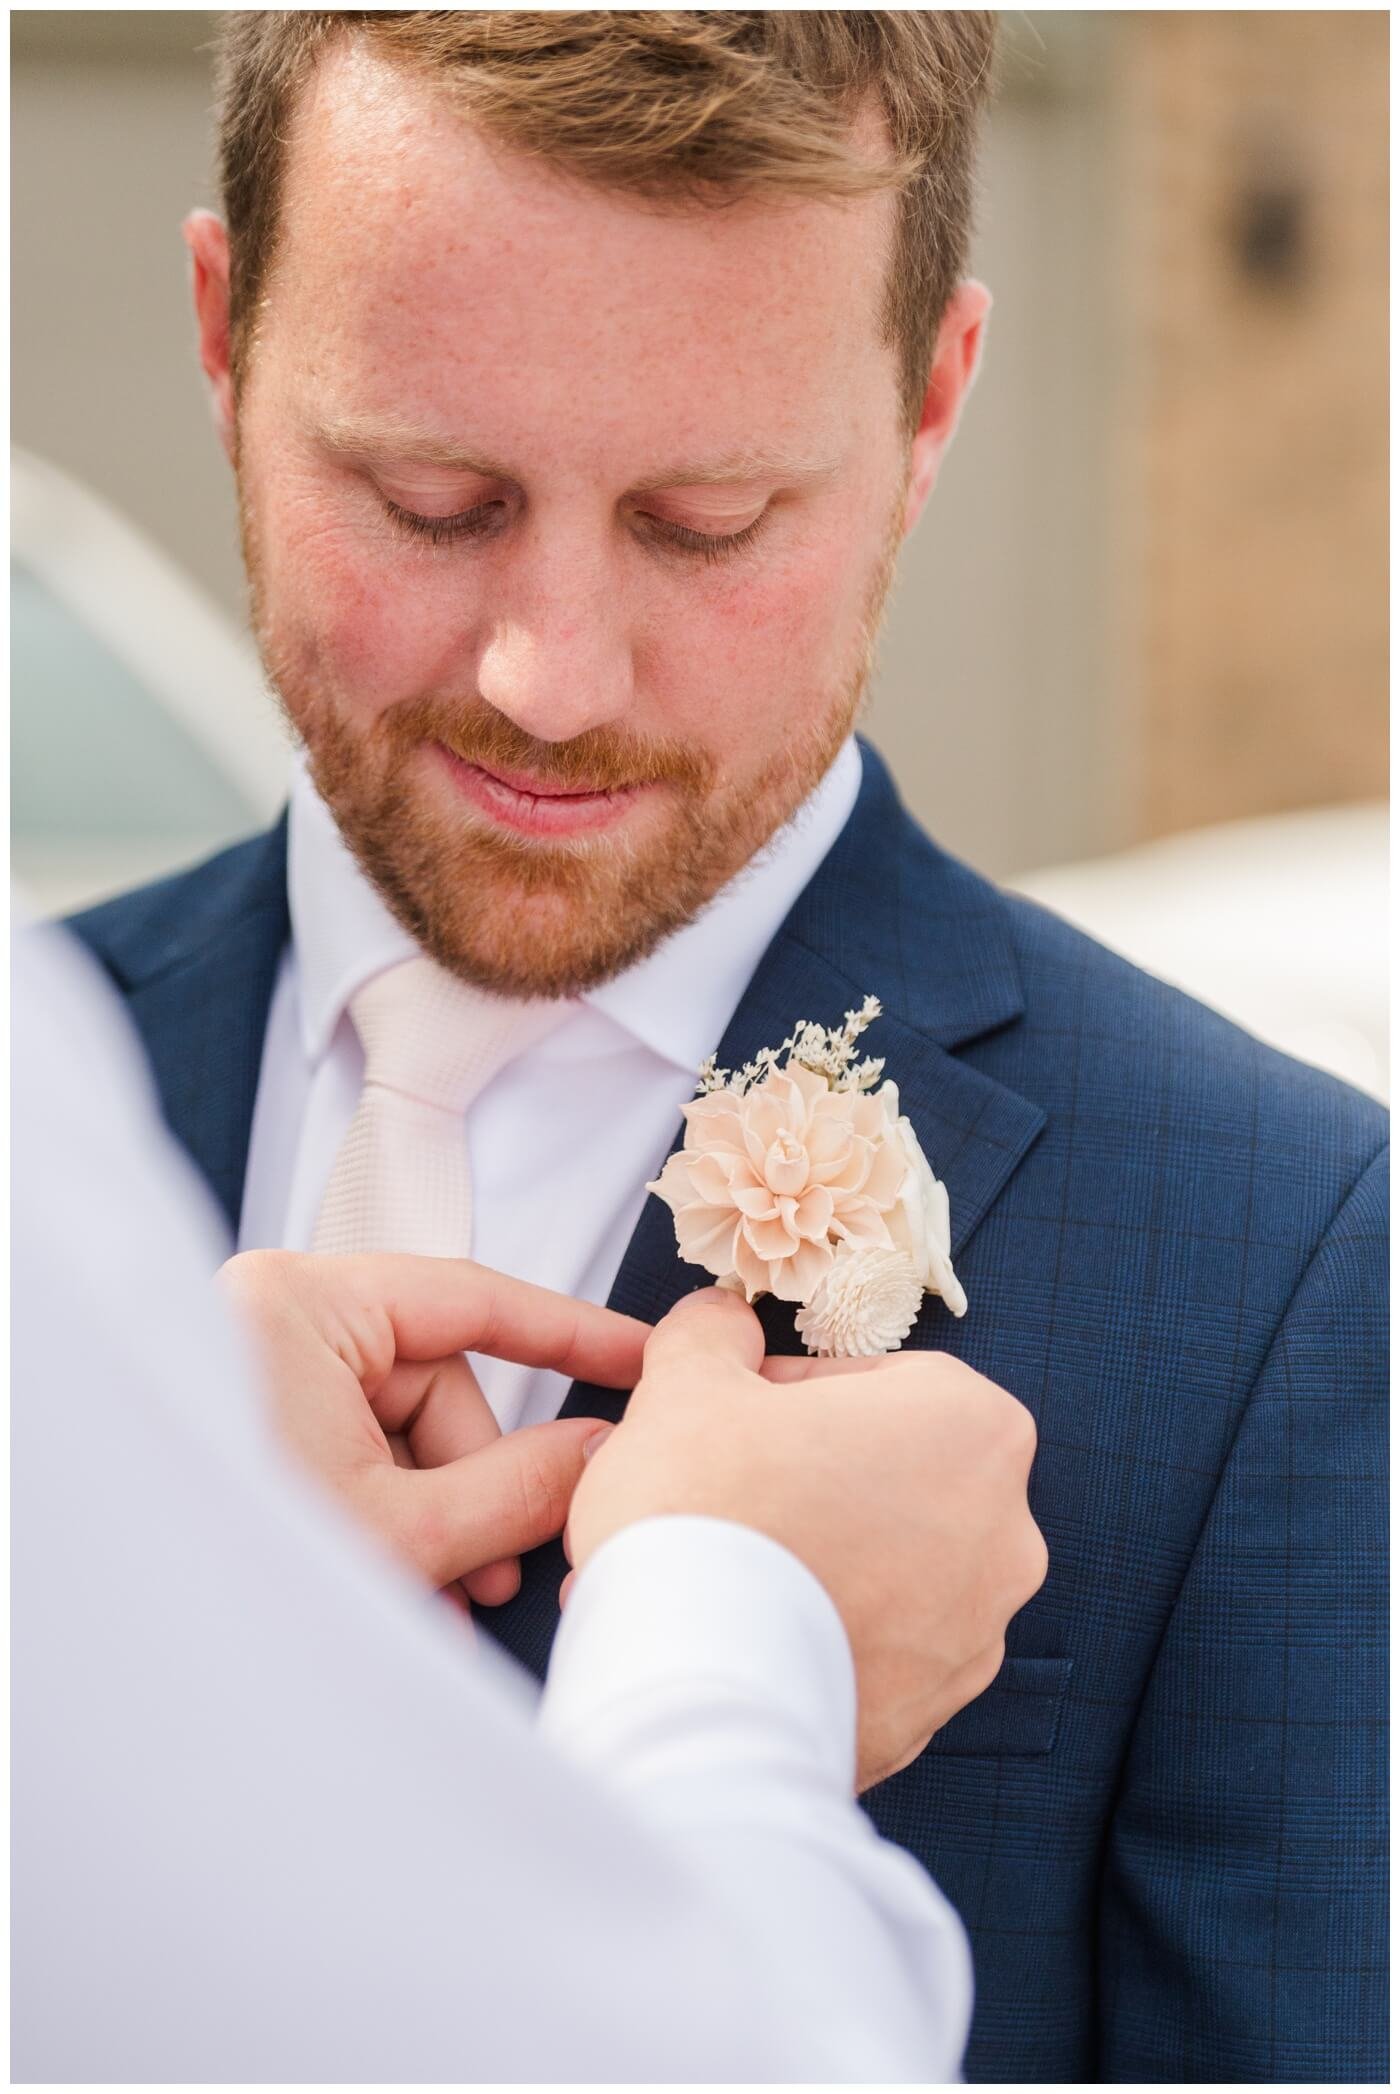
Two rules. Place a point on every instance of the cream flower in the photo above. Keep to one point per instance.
(771, 1180)
(923, 1225)
(866, 1303)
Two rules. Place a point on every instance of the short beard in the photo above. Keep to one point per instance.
(527, 919)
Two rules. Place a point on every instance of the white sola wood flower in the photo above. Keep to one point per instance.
(866, 1303)
(924, 1225)
(801, 1178)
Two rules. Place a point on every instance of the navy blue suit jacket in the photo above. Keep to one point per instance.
(1163, 1823)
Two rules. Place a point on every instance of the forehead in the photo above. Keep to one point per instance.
(419, 260)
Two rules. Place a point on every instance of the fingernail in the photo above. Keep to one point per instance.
(590, 1447)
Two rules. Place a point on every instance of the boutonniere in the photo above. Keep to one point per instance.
(800, 1177)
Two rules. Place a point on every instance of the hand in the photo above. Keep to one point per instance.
(900, 1482)
(359, 1351)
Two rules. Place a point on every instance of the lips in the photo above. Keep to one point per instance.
(535, 788)
(532, 807)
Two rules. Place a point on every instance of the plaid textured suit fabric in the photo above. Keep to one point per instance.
(1164, 1823)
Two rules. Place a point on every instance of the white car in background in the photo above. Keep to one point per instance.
(1279, 922)
(143, 738)
(141, 733)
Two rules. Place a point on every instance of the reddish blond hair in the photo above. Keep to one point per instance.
(687, 106)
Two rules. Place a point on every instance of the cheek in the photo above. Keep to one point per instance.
(773, 646)
(370, 622)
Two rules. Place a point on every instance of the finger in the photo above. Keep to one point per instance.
(439, 1408)
(506, 1498)
(438, 1306)
(564, 1590)
(494, 1583)
(706, 1331)
(446, 1416)
(590, 1448)
(780, 1368)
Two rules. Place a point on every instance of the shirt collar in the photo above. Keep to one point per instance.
(344, 934)
(677, 1001)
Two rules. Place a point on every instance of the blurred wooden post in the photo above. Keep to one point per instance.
(1254, 494)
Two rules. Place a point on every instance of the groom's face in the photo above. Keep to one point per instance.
(568, 520)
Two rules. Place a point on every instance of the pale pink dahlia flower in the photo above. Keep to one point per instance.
(770, 1182)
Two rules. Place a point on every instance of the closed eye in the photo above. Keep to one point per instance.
(478, 522)
(486, 518)
(708, 545)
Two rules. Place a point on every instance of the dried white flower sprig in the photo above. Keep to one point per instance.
(825, 1053)
(798, 1177)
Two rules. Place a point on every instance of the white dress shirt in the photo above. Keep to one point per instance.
(562, 1143)
(275, 1820)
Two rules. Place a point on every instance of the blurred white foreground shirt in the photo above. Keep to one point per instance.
(275, 1819)
(563, 1141)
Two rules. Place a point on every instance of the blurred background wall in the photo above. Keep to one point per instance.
(1149, 597)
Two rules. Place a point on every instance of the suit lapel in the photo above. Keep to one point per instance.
(973, 1130)
(201, 1007)
(889, 914)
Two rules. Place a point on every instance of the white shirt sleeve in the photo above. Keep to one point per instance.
(275, 1818)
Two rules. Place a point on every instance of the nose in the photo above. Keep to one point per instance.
(558, 657)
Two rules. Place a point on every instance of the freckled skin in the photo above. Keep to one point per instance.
(586, 347)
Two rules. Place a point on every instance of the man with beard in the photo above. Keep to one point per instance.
(581, 375)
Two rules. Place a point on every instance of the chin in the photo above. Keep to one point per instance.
(533, 961)
(521, 940)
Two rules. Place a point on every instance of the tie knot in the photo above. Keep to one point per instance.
(433, 1038)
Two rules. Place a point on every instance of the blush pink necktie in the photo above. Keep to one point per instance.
(402, 1180)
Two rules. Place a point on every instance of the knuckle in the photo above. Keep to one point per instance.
(941, 1368)
(487, 1324)
(542, 1498)
(1035, 1562)
(1019, 1429)
(420, 1534)
(248, 1269)
(405, 1520)
(567, 1345)
(991, 1661)
(257, 1285)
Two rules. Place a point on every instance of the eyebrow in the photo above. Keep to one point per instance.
(361, 436)
(741, 466)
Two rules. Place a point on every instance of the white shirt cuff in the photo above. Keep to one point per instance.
(688, 1643)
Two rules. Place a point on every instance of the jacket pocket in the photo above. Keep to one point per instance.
(1018, 1716)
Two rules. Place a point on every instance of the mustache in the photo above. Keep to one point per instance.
(601, 759)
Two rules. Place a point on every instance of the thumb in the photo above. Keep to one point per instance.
(506, 1498)
(707, 1331)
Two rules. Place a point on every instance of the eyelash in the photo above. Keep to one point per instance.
(476, 523)
(445, 530)
(711, 549)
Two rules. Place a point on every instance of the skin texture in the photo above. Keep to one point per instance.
(454, 329)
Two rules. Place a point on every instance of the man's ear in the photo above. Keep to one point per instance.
(207, 241)
(956, 356)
